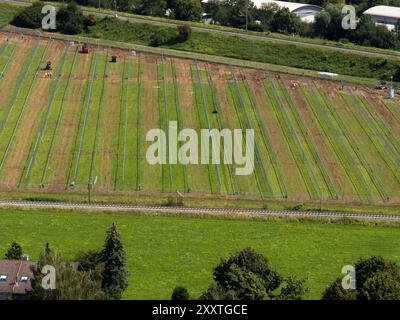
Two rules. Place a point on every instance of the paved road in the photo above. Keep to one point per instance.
(186, 210)
(236, 33)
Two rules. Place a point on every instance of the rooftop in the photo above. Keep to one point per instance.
(15, 276)
(384, 11)
(292, 6)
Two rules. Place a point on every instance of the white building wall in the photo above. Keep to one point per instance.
(389, 22)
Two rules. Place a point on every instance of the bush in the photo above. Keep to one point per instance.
(70, 19)
(297, 207)
(247, 275)
(253, 26)
(185, 32)
(396, 76)
(376, 279)
(180, 293)
(30, 17)
(160, 38)
(89, 20)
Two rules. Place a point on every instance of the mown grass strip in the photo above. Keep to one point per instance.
(24, 106)
(5, 43)
(243, 126)
(20, 83)
(204, 104)
(53, 92)
(126, 121)
(334, 138)
(265, 137)
(10, 58)
(300, 158)
(210, 121)
(122, 95)
(386, 131)
(163, 85)
(368, 126)
(197, 103)
(221, 125)
(310, 145)
(393, 108)
(93, 77)
(59, 117)
(179, 119)
(266, 183)
(352, 142)
(138, 109)
(91, 180)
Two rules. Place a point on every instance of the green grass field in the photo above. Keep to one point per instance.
(164, 252)
(7, 12)
(266, 51)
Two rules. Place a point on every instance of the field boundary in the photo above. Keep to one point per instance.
(193, 210)
(196, 56)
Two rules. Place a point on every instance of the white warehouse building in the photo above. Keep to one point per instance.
(384, 15)
(306, 12)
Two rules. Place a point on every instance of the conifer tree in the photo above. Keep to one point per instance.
(114, 274)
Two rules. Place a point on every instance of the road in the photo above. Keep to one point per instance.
(191, 210)
(235, 33)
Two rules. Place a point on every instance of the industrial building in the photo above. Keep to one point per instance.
(384, 15)
(306, 12)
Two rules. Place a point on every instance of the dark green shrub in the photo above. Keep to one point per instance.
(30, 17)
(185, 32)
(70, 19)
(160, 38)
(180, 293)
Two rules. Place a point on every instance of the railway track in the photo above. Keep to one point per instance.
(189, 210)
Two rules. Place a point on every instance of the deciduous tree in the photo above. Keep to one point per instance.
(247, 275)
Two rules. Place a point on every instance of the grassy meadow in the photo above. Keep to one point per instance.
(164, 251)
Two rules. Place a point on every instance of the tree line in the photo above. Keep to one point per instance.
(246, 275)
(269, 17)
